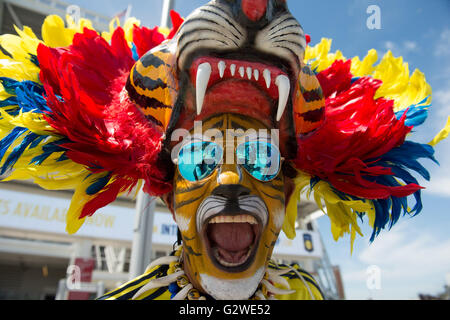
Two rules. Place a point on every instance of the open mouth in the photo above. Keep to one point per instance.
(232, 240)
(206, 72)
(232, 230)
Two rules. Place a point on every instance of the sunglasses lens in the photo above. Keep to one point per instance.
(260, 159)
(198, 160)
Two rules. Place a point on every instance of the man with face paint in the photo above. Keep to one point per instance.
(229, 199)
(230, 211)
(228, 118)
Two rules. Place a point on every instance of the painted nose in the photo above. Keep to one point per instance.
(229, 174)
(254, 9)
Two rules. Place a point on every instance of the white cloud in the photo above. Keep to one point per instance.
(407, 256)
(410, 45)
(390, 45)
(443, 45)
(410, 262)
(400, 49)
(439, 185)
(441, 101)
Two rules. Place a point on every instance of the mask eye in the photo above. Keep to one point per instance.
(198, 160)
(260, 159)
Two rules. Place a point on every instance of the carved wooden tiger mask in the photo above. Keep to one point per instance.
(234, 64)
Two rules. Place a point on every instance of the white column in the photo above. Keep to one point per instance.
(165, 17)
(141, 251)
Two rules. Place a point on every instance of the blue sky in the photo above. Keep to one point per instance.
(415, 255)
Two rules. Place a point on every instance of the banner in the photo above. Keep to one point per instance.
(33, 212)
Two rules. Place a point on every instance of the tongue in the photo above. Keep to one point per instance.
(232, 237)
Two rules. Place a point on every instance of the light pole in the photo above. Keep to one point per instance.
(141, 251)
(165, 17)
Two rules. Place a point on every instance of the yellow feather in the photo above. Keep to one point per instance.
(19, 67)
(397, 85)
(291, 210)
(319, 58)
(34, 122)
(128, 28)
(78, 27)
(165, 31)
(19, 71)
(55, 34)
(29, 40)
(364, 67)
(443, 134)
(342, 213)
(79, 199)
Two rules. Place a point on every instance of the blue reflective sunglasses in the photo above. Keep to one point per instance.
(198, 160)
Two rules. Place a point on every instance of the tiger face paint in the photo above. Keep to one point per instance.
(229, 220)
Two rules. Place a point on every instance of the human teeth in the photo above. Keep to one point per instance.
(242, 71)
(284, 87)
(203, 75)
(233, 69)
(256, 74)
(267, 77)
(222, 67)
(234, 219)
(249, 73)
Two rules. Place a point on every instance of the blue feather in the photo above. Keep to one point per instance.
(134, 51)
(11, 101)
(313, 181)
(407, 154)
(34, 59)
(416, 114)
(7, 141)
(9, 85)
(400, 160)
(381, 217)
(37, 141)
(18, 151)
(63, 157)
(30, 96)
(408, 178)
(48, 149)
(98, 185)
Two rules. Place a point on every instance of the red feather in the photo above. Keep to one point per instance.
(357, 130)
(146, 39)
(177, 21)
(107, 132)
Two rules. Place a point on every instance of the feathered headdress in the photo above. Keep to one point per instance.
(68, 122)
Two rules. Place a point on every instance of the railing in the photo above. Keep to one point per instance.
(60, 7)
